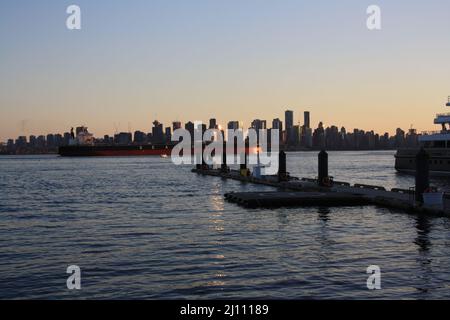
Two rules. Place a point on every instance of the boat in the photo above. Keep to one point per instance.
(435, 143)
(114, 150)
(83, 145)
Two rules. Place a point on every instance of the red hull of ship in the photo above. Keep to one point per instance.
(114, 151)
(117, 151)
(128, 153)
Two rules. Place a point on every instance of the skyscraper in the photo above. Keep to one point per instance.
(307, 123)
(234, 125)
(157, 132)
(176, 125)
(259, 124)
(213, 123)
(306, 132)
(190, 127)
(277, 124)
(168, 135)
(139, 137)
(289, 119)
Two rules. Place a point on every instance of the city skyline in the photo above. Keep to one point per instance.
(287, 122)
(135, 62)
(301, 136)
(297, 120)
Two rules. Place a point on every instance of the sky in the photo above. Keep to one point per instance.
(135, 61)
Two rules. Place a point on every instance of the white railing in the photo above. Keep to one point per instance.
(429, 133)
(443, 115)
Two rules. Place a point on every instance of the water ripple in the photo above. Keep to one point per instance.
(143, 228)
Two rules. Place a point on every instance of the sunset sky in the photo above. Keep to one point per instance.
(139, 60)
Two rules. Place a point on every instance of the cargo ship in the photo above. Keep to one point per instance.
(436, 144)
(82, 145)
(115, 150)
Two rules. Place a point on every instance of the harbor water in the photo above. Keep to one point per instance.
(143, 228)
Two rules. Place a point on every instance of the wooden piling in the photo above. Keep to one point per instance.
(224, 167)
(282, 174)
(422, 174)
(323, 168)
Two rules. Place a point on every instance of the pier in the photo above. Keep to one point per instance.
(323, 191)
(304, 199)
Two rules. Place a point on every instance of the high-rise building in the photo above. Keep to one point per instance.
(289, 119)
(295, 135)
(306, 131)
(123, 138)
(168, 135)
(139, 137)
(21, 142)
(307, 139)
(307, 119)
(176, 125)
(66, 138)
(201, 127)
(213, 124)
(10, 146)
(234, 125)
(157, 132)
(190, 127)
(40, 141)
(277, 124)
(259, 124)
(32, 142)
(50, 140)
(399, 137)
(58, 140)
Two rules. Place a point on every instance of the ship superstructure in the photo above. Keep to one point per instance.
(436, 143)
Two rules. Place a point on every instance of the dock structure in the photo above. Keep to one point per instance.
(286, 199)
(293, 191)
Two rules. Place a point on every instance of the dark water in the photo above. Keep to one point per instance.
(144, 228)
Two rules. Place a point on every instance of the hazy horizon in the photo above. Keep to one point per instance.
(136, 61)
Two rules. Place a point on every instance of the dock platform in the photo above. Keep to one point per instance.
(304, 199)
(307, 192)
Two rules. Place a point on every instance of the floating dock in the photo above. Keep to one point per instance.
(294, 191)
(304, 199)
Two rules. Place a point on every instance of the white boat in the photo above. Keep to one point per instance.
(437, 145)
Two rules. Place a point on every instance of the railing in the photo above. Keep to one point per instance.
(428, 133)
